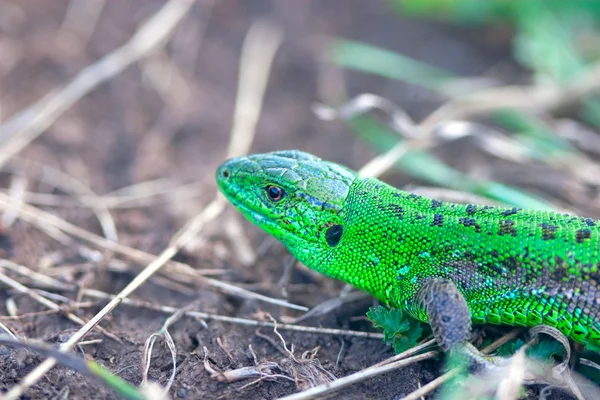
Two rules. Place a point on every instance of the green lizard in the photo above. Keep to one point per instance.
(442, 263)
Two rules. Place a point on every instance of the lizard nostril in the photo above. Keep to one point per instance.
(225, 173)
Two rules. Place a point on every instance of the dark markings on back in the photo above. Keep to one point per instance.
(414, 197)
(512, 211)
(438, 220)
(467, 222)
(436, 204)
(512, 264)
(582, 234)
(548, 231)
(590, 222)
(471, 209)
(463, 273)
(507, 227)
(396, 209)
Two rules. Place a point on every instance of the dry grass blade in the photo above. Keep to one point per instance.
(196, 224)
(36, 277)
(400, 121)
(421, 392)
(395, 362)
(13, 209)
(147, 355)
(407, 353)
(329, 305)
(8, 332)
(142, 194)
(85, 195)
(16, 192)
(260, 45)
(243, 250)
(80, 365)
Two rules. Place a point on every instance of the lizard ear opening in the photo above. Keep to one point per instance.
(334, 234)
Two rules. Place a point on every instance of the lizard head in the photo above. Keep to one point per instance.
(294, 196)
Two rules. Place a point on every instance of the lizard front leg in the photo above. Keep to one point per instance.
(450, 321)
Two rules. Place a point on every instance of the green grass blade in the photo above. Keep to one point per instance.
(376, 60)
(427, 167)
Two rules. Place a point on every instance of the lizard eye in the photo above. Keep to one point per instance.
(275, 193)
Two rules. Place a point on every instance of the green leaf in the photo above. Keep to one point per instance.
(398, 330)
(410, 338)
(390, 320)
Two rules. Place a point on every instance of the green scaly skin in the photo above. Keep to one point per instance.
(511, 266)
